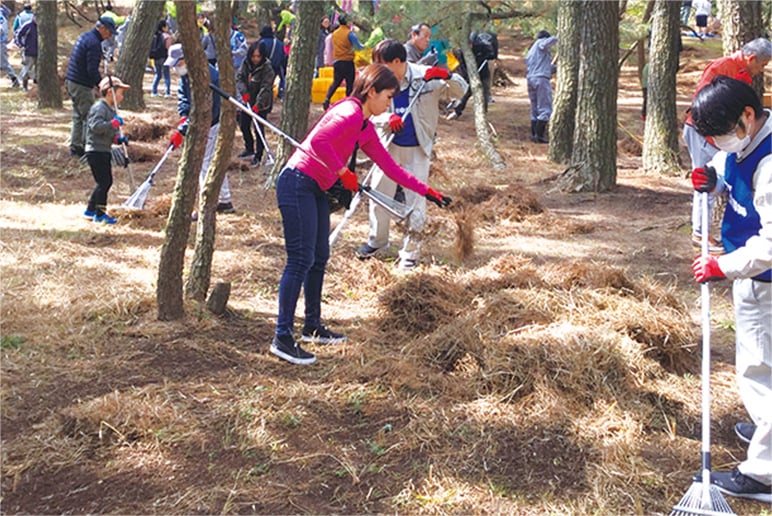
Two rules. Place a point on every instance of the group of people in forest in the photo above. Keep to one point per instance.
(390, 113)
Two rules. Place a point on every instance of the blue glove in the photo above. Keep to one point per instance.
(120, 140)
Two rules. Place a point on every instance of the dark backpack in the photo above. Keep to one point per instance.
(158, 47)
(484, 46)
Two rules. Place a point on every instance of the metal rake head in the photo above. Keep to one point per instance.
(695, 502)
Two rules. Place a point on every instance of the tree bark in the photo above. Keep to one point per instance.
(563, 117)
(300, 73)
(132, 58)
(594, 149)
(481, 124)
(741, 22)
(49, 85)
(660, 140)
(199, 278)
(169, 286)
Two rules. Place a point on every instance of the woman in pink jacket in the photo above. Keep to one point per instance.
(305, 211)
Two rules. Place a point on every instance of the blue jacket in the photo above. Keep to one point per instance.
(183, 99)
(85, 59)
(27, 38)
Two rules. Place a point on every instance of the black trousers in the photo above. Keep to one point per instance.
(101, 169)
(341, 70)
(247, 127)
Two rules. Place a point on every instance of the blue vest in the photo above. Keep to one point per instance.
(741, 220)
(406, 137)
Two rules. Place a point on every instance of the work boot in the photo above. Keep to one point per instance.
(14, 82)
(24, 84)
(533, 131)
(326, 104)
(541, 130)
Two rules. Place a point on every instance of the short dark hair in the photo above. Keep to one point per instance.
(416, 29)
(376, 77)
(388, 50)
(718, 106)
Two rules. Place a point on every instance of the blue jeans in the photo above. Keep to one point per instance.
(160, 69)
(305, 216)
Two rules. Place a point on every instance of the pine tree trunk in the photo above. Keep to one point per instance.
(741, 23)
(49, 85)
(300, 73)
(200, 274)
(564, 108)
(169, 285)
(660, 145)
(135, 49)
(594, 149)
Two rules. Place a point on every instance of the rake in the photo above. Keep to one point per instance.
(138, 198)
(703, 498)
(269, 158)
(396, 209)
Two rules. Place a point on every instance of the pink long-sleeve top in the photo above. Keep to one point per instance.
(332, 141)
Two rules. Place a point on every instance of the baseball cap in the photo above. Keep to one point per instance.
(108, 23)
(175, 55)
(104, 84)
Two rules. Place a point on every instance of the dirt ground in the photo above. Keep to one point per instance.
(553, 370)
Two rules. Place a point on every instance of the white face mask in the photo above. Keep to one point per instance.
(731, 143)
(182, 70)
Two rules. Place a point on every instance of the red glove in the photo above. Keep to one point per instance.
(115, 123)
(437, 198)
(435, 72)
(176, 139)
(706, 268)
(182, 122)
(245, 98)
(395, 123)
(704, 179)
(255, 109)
(350, 181)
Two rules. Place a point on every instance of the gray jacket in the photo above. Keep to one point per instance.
(425, 112)
(99, 128)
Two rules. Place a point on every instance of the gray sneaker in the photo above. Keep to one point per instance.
(366, 251)
(285, 347)
(745, 431)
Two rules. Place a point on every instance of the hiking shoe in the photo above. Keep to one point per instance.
(715, 247)
(407, 264)
(366, 251)
(104, 218)
(246, 154)
(322, 335)
(89, 214)
(452, 116)
(256, 159)
(285, 347)
(225, 207)
(736, 484)
(745, 431)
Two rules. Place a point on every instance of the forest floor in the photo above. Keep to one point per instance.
(554, 369)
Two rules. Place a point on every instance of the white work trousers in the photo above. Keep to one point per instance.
(211, 140)
(414, 160)
(753, 361)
